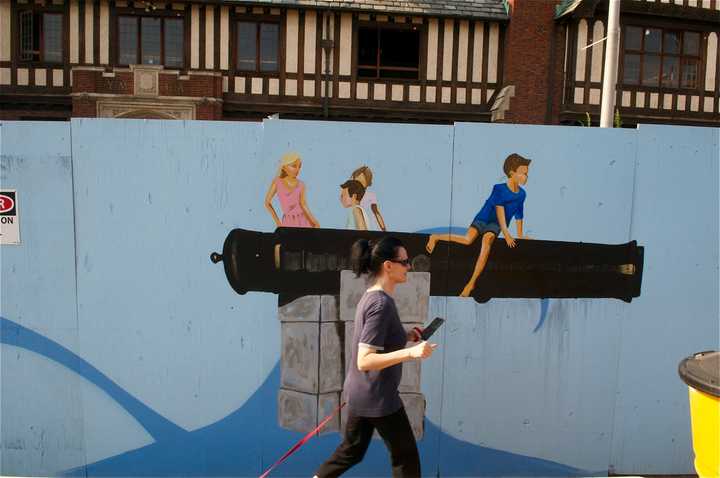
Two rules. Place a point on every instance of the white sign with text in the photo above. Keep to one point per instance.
(9, 217)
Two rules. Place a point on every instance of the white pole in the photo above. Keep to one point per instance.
(611, 60)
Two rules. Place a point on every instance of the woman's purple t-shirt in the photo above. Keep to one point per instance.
(377, 326)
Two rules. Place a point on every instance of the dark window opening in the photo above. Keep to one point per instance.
(152, 40)
(258, 45)
(41, 37)
(150, 33)
(127, 39)
(388, 53)
(656, 57)
(174, 42)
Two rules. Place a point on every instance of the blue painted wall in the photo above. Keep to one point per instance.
(675, 214)
(125, 352)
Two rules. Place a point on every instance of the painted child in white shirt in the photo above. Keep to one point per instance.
(351, 194)
(369, 201)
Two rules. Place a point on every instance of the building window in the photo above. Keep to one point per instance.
(257, 46)
(151, 41)
(388, 52)
(657, 57)
(41, 36)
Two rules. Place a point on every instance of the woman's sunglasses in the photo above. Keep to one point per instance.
(405, 262)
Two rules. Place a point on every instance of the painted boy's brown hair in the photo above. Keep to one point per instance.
(513, 162)
(354, 188)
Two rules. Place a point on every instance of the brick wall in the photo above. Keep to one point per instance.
(557, 79)
(169, 85)
(209, 111)
(84, 107)
(526, 62)
(207, 86)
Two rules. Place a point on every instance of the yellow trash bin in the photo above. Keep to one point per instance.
(701, 372)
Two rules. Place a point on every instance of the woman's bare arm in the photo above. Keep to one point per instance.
(368, 359)
(268, 203)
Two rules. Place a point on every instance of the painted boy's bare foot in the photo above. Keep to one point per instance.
(467, 290)
(430, 246)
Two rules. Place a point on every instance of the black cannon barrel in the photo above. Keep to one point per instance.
(297, 261)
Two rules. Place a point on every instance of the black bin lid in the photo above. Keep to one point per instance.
(702, 372)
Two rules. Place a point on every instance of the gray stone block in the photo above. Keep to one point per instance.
(415, 408)
(411, 370)
(297, 411)
(311, 357)
(299, 356)
(304, 309)
(302, 412)
(351, 290)
(411, 298)
(411, 376)
(329, 308)
(327, 404)
(331, 357)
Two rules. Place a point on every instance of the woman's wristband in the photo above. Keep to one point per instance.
(419, 332)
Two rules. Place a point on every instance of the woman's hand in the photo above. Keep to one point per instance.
(414, 334)
(422, 350)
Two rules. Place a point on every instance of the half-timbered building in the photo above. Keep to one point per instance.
(668, 63)
(389, 60)
(518, 61)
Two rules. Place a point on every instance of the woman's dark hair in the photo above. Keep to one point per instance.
(368, 256)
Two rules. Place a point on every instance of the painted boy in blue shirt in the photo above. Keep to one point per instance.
(505, 202)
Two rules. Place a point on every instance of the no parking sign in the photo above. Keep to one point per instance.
(9, 219)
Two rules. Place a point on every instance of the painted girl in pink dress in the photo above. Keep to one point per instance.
(291, 193)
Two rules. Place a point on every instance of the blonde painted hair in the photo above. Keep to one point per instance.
(286, 160)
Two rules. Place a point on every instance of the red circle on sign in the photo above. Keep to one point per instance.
(6, 203)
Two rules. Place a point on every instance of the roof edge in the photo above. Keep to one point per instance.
(391, 11)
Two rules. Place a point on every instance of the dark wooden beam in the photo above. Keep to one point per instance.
(635, 116)
(668, 10)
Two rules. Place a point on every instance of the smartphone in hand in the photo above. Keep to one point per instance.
(430, 329)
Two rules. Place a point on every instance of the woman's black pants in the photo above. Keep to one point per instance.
(395, 431)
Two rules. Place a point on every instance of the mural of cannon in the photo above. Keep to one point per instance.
(295, 262)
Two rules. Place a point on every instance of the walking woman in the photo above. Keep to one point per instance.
(378, 350)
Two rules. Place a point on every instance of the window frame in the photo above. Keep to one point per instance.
(17, 35)
(422, 32)
(258, 20)
(681, 30)
(163, 15)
